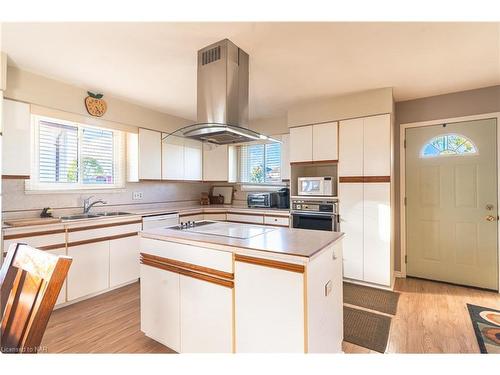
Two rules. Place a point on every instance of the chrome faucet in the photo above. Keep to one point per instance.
(87, 205)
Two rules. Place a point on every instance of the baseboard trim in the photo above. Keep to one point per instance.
(399, 275)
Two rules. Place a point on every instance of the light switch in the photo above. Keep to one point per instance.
(328, 288)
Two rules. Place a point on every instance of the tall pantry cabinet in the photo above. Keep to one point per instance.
(365, 198)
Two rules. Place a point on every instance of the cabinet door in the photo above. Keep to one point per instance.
(195, 217)
(172, 153)
(206, 316)
(123, 260)
(301, 144)
(193, 160)
(351, 147)
(285, 157)
(351, 215)
(62, 294)
(269, 307)
(89, 272)
(377, 146)
(149, 154)
(325, 141)
(16, 143)
(160, 300)
(215, 162)
(377, 233)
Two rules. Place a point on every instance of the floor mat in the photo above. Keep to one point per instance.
(381, 300)
(486, 323)
(366, 329)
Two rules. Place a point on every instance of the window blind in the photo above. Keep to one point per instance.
(97, 156)
(260, 163)
(58, 153)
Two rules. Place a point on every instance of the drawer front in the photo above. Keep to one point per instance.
(197, 256)
(273, 220)
(89, 234)
(214, 216)
(42, 242)
(254, 219)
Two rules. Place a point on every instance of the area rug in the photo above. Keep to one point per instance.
(381, 300)
(486, 323)
(366, 329)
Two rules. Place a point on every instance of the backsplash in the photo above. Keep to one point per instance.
(15, 203)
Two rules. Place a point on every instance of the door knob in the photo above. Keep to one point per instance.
(490, 218)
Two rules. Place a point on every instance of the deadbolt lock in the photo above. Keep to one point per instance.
(489, 207)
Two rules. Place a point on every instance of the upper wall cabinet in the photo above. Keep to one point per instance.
(16, 151)
(149, 154)
(365, 146)
(215, 162)
(314, 143)
(181, 158)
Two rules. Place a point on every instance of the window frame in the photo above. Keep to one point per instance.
(264, 183)
(34, 185)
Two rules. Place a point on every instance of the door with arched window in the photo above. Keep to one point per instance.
(451, 203)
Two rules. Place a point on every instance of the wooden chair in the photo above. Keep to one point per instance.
(30, 282)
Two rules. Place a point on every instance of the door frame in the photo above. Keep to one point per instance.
(402, 175)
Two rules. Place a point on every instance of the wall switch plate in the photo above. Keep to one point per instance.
(328, 288)
(137, 195)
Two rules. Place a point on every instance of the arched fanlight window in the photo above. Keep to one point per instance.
(448, 144)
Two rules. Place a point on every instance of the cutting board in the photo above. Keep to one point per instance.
(225, 191)
(32, 221)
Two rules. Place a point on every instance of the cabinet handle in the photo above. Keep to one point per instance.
(334, 257)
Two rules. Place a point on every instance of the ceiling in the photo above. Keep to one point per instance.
(154, 64)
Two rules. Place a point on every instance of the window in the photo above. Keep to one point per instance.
(75, 156)
(260, 163)
(448, 144)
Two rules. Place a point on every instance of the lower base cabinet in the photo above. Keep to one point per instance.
(123, 260)
(89, 271)
(206, 317)
(160, 300)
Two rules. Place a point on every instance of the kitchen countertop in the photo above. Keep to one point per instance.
(285, 241)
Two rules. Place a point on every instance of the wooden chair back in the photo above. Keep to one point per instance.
(30, 282)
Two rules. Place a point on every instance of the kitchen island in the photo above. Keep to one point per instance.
(231, 287)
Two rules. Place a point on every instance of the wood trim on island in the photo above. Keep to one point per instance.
(185, 272)
(364, 179)
(270, 263)
(189, 266)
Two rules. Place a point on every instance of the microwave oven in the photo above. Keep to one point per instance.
(321, 186)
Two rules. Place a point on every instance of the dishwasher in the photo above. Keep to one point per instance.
(159, 221)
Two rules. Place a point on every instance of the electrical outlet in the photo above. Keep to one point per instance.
(137, 195)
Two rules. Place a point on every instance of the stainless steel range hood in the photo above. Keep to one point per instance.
(222, 100)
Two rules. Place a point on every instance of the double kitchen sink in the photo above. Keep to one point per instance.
(91, 216)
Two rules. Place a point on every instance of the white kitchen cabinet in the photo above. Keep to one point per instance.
(285, 157)
(376, 233)
(16, 142)
(150, 154)
(351, 147)
(215, 162)
(277, 221)
(172, 154)
(62, 294)
(160, 306)
(89, 271)
(194, 217)
(351, 208)
(214, 216)
(325, 141)
(206, 321)
(301, 144)
(377, 145)
(245, 218)
(123, 260)
(193, 160)
(269, 307)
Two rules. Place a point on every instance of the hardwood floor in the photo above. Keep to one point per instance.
(431, 318)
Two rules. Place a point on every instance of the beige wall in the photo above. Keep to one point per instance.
(270, 126)
(35, 89)
(464, 103)
(359, 104)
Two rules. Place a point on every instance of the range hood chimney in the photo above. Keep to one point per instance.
(222, 100)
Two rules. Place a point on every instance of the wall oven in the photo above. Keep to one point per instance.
(315, 214)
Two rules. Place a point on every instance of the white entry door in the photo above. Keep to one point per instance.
(452, 208)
